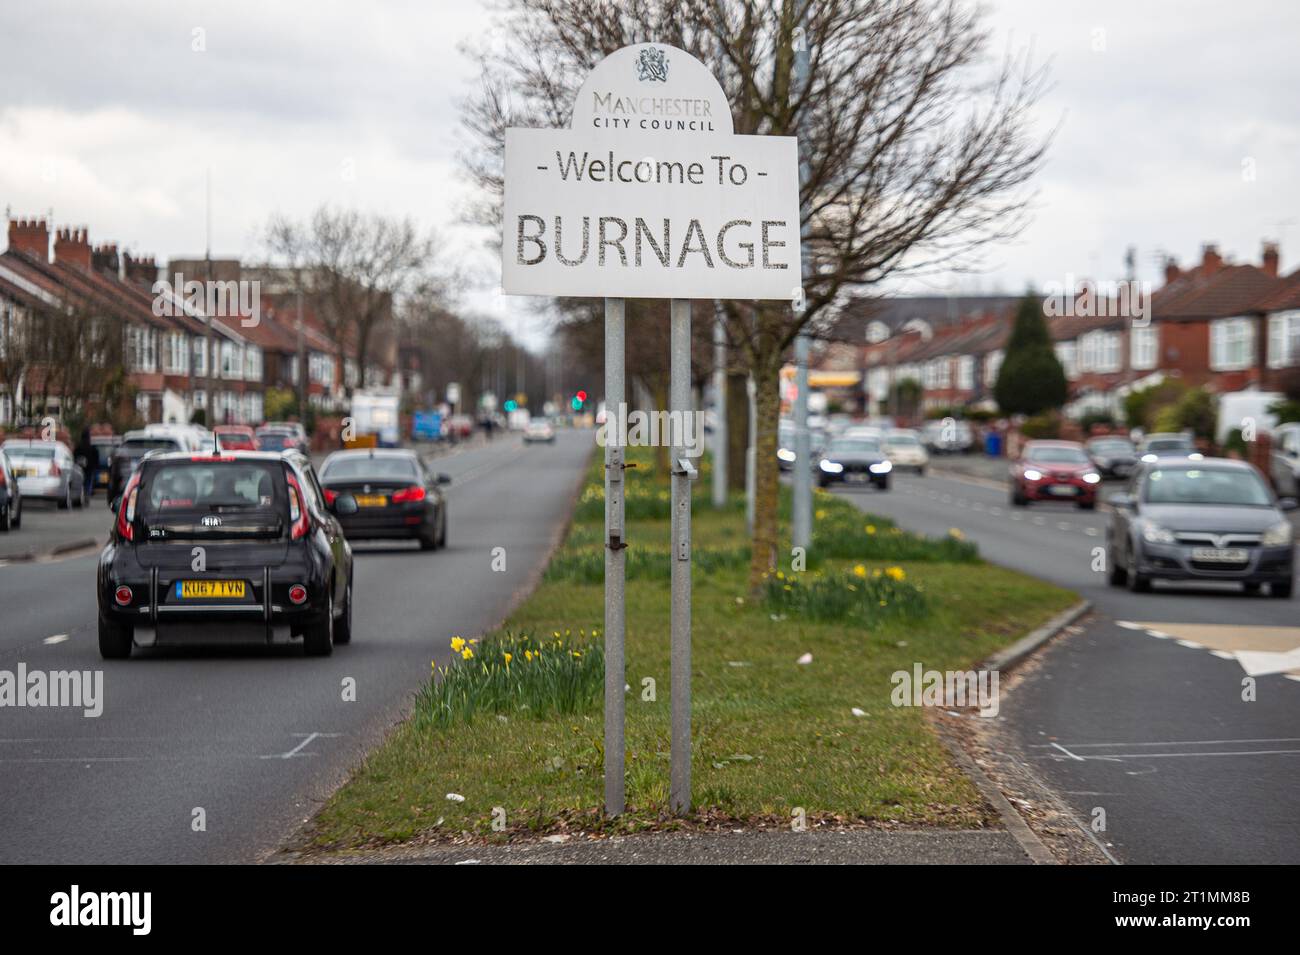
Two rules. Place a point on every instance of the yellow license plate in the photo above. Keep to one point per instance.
(372, 500)
(24, 472)
(189, 589)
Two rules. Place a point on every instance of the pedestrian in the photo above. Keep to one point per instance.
(88, 457)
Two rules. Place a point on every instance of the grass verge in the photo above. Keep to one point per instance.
(771, 735)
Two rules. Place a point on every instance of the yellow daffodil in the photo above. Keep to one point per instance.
(871, 528)
(896, 573)
(457, 644)
(467, 654)
(508, 657)
(859, 571)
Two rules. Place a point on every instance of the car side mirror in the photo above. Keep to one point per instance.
(1288, 503)
(1121, 501)
(443, 477)
(345, 505)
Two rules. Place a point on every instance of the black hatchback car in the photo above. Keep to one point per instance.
(1207, 520)
(855, 461)
(395, 496)
(224, 547)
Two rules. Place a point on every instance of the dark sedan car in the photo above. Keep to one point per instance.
(1114, 456)
(396, 496)
(855, 461)
(11, 499)
(224, 547)
(1213, 520)
(128, 455)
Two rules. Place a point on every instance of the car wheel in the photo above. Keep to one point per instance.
(318, 637)
(1251, 586)
(1282, 591)
(343, 629)
(1118, 576)
(1087, 505)
(442, 531)
(80, 500)
(66, 502)
(1017, 499)
(1138, 583)
(114, 640)
(18, 514)
(7, 522)
(920, 472)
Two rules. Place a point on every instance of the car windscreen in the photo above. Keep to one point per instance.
(1169, 444)
(1111, 447)
(1056, 456)
(1206, 486)
(180, 487)
(901, 441)
(273, 441)
(379, 468)
(36, 453)
(855, 446)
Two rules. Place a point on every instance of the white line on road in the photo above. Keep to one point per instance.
(57, 638)
(1067, 752)
(309, 737)
(1179, 742)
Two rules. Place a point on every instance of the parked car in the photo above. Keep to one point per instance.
(947, 436)
(905, 450)
(1114, 456)
(854, 461)
(393, 493)
(1166, 444)
(126, 459)
(47, 469)
(539, 429)
(236, 437)
(1212, 519)
(278, 564)
(1054, 471)
(11, 498)
(1284, 465)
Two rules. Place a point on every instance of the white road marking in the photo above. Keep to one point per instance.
(1063, 525)
(1067, 752)
(308, 738)
(57, 638)
(1190, 644)
(1129, 625)
(1091, 531)
(1180, 742)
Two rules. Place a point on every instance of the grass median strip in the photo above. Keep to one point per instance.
(520, 739)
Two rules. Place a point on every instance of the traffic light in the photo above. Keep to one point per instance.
(510, 404)
(576, 403)
(582, 396)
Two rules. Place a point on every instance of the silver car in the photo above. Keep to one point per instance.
(47, 469)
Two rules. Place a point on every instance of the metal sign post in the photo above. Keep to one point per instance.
(721, 433)
(615, 560)
(650, 194)
(679, 400)
(801, 529)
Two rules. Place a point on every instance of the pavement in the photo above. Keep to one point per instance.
(209, 755)
(1176, 712)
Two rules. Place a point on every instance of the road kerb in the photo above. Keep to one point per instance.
(1015, 654)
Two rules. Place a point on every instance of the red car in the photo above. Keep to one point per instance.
(1055, 471)
(236, 437)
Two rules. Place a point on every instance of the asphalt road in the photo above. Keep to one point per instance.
(1142, 714)
(251, 740)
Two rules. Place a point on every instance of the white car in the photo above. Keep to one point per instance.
(46, 469)
(905, 450)
(539, 429)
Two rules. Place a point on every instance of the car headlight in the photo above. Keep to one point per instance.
(881, 467)
(1149, 457)
(832, 467)
(1092, 477)
(785, 454)
(1155, 534)
(1278, 535)
(1032, 475)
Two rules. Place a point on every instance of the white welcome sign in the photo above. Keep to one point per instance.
(650, 194)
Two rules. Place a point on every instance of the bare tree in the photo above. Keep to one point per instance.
(919, 150)
(354, 266)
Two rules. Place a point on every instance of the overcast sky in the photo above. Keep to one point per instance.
(1178, 125)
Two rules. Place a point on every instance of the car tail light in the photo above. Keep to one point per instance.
(297, 594)
(299, 520)
(409, 494)
(55, 470)
(123, 596)
(126, 508)
(331, 496)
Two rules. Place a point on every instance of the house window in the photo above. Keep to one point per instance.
(966, 373)
(1232, 344)
(1143, 346)
(1065, 354)
(992, 365)
(1283, 339)
(252, 363)
(200, 356)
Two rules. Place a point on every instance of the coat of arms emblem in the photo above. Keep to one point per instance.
(652, 65)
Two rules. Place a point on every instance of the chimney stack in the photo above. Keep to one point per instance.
(71, 247)
(1172, 271)
(1210, 259)
(1270, 259)
(31, 237)
(140, 271)
(104, 258)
